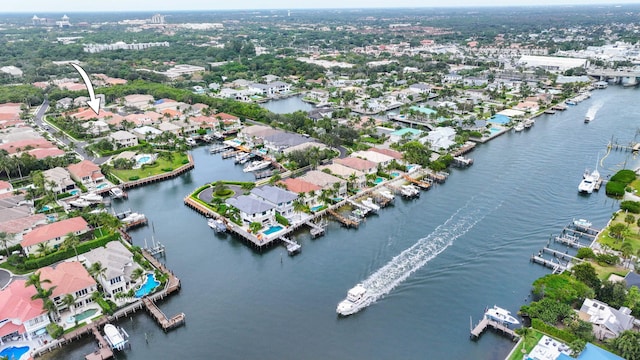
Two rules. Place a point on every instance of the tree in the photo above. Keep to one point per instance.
(137, 273)
(43, 248)
(34, 279)
(616, 230)
(5, 239)
(629, 219)
(255, 227)
(69, 301)
(98, 271)
(627, 344)
(612, 293)
(72, 240)
(586, 273)
(577, 346)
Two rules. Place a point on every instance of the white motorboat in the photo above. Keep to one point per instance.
(217, 225)
(357, 298)
(370, 204)
(588, 118)
(519, 127)
(133, 217)
(528, 123)
(116, 192)
(242, 157)
(501, 315)
(115, 337)
(582, 224)
(387, 194)
(256, 165)
(191, 141)
(589, 181)
(81, 203)
(410, 191)
(92, 197)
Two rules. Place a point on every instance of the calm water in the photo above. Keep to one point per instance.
(475, 235)
(287, 105)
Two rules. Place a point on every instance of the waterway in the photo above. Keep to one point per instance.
(474, 237)
(287, 105)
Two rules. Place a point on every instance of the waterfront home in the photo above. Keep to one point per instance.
(326, 181)
(607, 322)
(307, 192)
(281, 140)
(346, 173)
(124, 139)
(273, 88)
(16, 216)
(5, 187)
(319, 114)
(304, 147)
(21, 317)
(420, 88)
(119, 264)
(389, 152)
(69, 278)
(366, 166)
(169, 126)
(440, 138)
(381, 160)
(404, 133)
(281, 198)
(187, 127)
(52, 235)
(253, 209)
(58, 180)
(86, 173)
(255, 134)
(146, 132)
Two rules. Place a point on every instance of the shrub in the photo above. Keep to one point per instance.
(55, 330)
(167, 169)
(133, 178)
(608, 259)
(553, 331)
(67, 253)
(630, 206)
(624, 176)
(282, 220)
(615, 188)
(585, 253)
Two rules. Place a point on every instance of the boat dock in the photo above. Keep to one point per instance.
(214, 149)
(569, 240)
(633, 147)
(461, 161)
(292, 246)
(556, 266)
(486, 323)
(104, 351)
(161, 318)
(560, 255)
(264, 173)
(468, 146)
(439, 177)
(316, 229)
(230, 154)
(130, 225)
(424, 185)
(346, 222)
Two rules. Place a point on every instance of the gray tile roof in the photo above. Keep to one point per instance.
(249, 204)
(284, 139)
(274, 194)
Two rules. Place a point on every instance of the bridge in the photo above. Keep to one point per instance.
(625, 77)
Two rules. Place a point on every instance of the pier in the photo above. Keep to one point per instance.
(104, 351)
(468, 146)
(557, 267)
(421, 184)
(439, 177)
(346, 222)
(560, 255)
(461, 161)
(161, 318)
(316, 229)
(486, 323)
(292, 246)
(569, 240)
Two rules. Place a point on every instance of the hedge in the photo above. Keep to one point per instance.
(553, 331)
(615, 188)
(631, 206)
(282, 220)
(67, 253)
(624, 176)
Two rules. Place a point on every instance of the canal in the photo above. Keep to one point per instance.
(469, 243)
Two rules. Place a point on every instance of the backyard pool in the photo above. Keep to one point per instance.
(74, 192)
(316, 208)
(13, 352)
(272, 229)
(142, 159)
(82, 316)
(148, 286)
(494, 130)
(378, 180)
(103, 185)
(395, 174)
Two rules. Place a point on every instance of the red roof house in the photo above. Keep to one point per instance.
(86, 172)
(52, 234)
(19, 315)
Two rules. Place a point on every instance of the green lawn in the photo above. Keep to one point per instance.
(636, 185)
(530, 343)
(631, 235)
(604, 271)
(160, 166)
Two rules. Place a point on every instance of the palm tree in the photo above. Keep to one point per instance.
(137, 273)
(43, 248)
(5, 239)
(69, 301)
(72, 240)
(98, 271)
(34, 279)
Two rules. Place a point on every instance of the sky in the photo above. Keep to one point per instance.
(42, 6)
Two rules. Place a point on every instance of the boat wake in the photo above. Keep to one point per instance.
(593, 110)
(398, 269)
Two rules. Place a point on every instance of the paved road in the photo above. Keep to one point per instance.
(62, 137)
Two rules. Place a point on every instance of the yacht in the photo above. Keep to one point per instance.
(80, 203)
(589, 181)
(501, 315)
(582, 224)
(256, 165)
(356, 298)
(217, 225)
(116, 338)
(518, 127)
(92, 197)
(242, 157)
(370, 204)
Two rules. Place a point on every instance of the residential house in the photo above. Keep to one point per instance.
(440, 138)
(304, 147)
(5, 187)
(124, 139)
(381, 160)
(270, 89)
(52, 235)
(281, 140)
(138, 101)
(64, 103)
(366, 166)
(168, 126)
(420, 88)
(96, 128)
(187, 127)
(307, 192)
(20, 316)
(146, 132)
(280, 198)
(349, 174)
(118, 263)
(607, 322)
(255, 133)
(320, 113)
(404, 133)
(69, 278)
(326, 181)
(253, 209)
(86, 173)
(389, 152)
(58, 180)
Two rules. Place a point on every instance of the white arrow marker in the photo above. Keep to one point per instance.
(93, 103)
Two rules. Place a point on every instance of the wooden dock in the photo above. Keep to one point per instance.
(438, 177)
(346, 222)
(419, 183)
(161, 318)
(468, 146)
(316, 229)
(292, 246)
(557, 267)
(569, 240)
(560, 255)
(104, 351)
(461, 161)
(136, 223)
(230, 154)
(486, 323)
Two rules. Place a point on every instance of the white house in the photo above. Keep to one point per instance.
(58, 180)
(253, 209)
(440, 138)
(124, 138)
(119, 265)
(607, 322)
(280, 198)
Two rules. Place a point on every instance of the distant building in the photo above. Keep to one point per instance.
(11, 70)
(552, 63)
(157, 19)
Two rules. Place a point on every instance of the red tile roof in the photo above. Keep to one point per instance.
(67, 277)
(15, 146)
(54, 230)
(16, 303)
(299, 186)
(86, 113)
(225, 116)
(43, 153)
(83, 168)
(356, 163)
(394, 154)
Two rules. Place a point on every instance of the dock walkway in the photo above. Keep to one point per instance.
(316, 230)
(557, 267)
(292, 246)
(421, 184)
(347, 222)
(487, 323)
(161, 318)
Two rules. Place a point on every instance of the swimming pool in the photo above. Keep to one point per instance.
(148, 286)
(272, 229)
(142, 159)
(378, 180)
(494, 130)
(82, 316)
(74, 192)
(316, 208)
(395, 174)
(45, 208)
(13, 352)
(102, 186)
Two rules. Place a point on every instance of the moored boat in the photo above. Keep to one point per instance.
(357, 298)
(370, 204)
(217, 225)
(589, 181)
(519, 127)
(256, 165)
(582, 224)
(501, 315)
